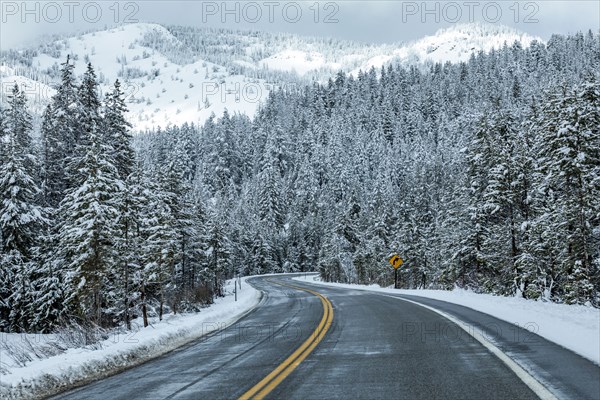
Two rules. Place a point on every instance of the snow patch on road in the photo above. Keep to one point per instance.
(34, 375)
(576, 328)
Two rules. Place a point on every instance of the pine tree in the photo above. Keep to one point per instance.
(223, 158)
(161, 244)
(568, 143)
(177, 194)
(504, 197)
(49, 292)
(260, 256)
(269, 198)
(471, 257)
(86, 236)
(89, 123)
(18, 215)
(117, 130)
(18, 122)
(59, 128)
(198, 282)
(218, 254)
(125, 274)
(137, 249)
(21, 218)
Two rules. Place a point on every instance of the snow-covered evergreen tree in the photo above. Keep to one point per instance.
(86, 238)
(89, 123)
(117, 131)
(58, 133)
(124, 277)
(568, 142)
(21, 219)
(161, 245)
(218, 254)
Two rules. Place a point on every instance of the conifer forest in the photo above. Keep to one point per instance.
(482, 174)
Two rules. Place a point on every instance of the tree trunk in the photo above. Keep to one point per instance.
(514, 251)
(162, 300)
(98, 307)
(587, 257)
(126, 266)
(183, 277)
(144, 309)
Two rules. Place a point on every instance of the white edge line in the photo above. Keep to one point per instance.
(540, 390)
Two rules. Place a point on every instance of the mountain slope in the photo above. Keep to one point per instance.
(175, 74)
(454, 44)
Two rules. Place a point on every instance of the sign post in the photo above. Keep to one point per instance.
(396, 262)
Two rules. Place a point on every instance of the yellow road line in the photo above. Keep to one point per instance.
(270, 382)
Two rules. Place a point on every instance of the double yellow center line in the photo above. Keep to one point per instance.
(270, 382)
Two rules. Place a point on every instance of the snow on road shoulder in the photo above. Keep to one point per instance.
(576, 328)
(44, 376)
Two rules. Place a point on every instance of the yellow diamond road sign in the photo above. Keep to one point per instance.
(396, 261)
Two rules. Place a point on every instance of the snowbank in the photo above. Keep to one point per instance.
(576, 328)
(46, 375)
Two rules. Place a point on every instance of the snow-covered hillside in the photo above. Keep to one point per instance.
(159, 92)
(174, 75)
(454, 44)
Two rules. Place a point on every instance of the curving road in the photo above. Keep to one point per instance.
(368, 346)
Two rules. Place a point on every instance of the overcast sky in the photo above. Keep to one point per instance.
(366, 21)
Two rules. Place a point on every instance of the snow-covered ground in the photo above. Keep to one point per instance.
(27, 368)
(576, 328)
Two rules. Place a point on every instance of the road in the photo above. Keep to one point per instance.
(365, 346)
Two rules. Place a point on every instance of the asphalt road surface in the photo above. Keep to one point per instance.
(294, 345)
